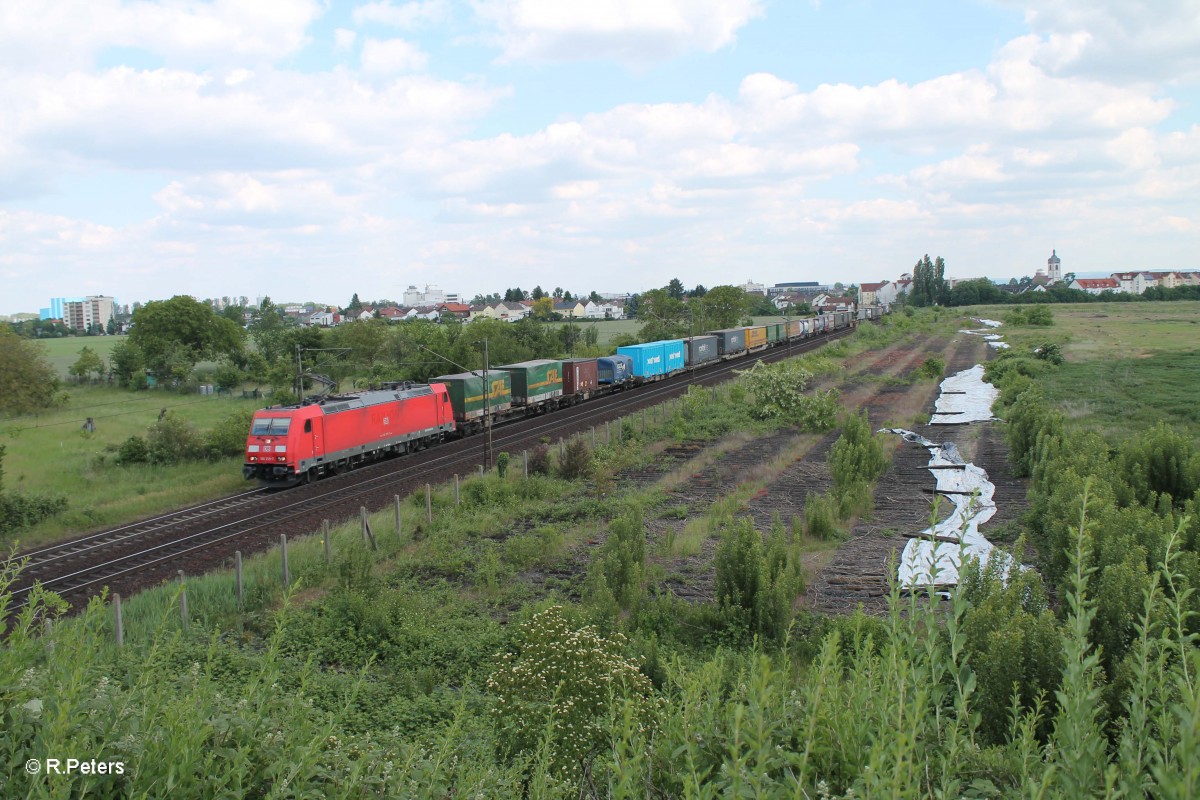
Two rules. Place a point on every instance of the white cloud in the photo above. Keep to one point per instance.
(1118, 40)
(630, 31)
(389, 56)
(343, 39)
(59, 35)
(403, 15)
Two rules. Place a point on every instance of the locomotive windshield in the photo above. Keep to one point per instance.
(270, 426)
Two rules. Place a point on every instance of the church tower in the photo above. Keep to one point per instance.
(1053, 268)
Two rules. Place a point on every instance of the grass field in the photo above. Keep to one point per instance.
(62, 353)
(52, 453)
(1129, 365)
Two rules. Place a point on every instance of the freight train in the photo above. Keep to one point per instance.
(294, 444)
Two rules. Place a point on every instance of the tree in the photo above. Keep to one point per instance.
(543, 308)
(723, 307)
(568, 298)
(595, 297)
(180, 331)
(699, 291)
(675, 289)
(88, 363)
(126, 361)
(537, 293)
(355, 308)
(929, 285)
(27, 381)
(664, 316)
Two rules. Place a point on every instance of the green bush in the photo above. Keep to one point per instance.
(933, 367)
(172, 440)
(228, 438)
(623, 558)
(576, 460)
(539, 460)
(819, 517)
(855, 461)
(554, 694)
(502, 465)
(1012, 641)
(756, 587)
(20, 510)
(133, 451)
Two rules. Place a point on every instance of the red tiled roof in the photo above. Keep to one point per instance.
(1098, 283)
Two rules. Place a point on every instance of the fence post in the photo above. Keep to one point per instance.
(428, 504)
(183, 609)
(607, 438)
(456, 500)
(287, 575)
(367, 534)
(481, 470)
(237, 572)
(562, 448)
(593, 437)
(620, 429)
(118, 620)
(643, 420)
(325, 535)
(396, 502)
(525, 459)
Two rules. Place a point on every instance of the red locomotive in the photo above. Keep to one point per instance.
(291, 444)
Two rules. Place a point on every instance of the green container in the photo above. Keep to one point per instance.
(535, 381)
(774, 331)
(466, 393)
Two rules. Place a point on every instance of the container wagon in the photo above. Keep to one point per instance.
(731, 342)
(581, 379)
(701, 350)
(655, 360)
(536, 385)
(615, 371)
(756, 338)
(466, 397)
(793, 329)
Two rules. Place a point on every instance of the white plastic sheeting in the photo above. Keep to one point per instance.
(965, 397)
(994, 340)
(936, 559)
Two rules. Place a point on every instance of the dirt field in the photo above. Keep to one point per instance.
(769, 477)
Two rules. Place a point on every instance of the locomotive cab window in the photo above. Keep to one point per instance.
(308, 426)
(271, 426)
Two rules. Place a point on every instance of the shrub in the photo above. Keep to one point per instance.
(576, 460)
(173, 440)
(502, 465)
(756, 587)
(1049, 351)
(554, 694)
(933, 367)
(855, 461)
(1012, 642)
(623, 558)
(133, 451)
(539, 460)
(228, 438)
(818, 517)
(20, 510)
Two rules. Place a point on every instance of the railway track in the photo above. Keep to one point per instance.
(204, 537)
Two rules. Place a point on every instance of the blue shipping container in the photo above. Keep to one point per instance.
(654, 359)
(614, 369)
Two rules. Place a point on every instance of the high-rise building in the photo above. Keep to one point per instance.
(81, 315)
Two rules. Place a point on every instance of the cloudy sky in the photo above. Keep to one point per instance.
(308, 150)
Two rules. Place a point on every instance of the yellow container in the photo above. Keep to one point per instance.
(756, 337)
